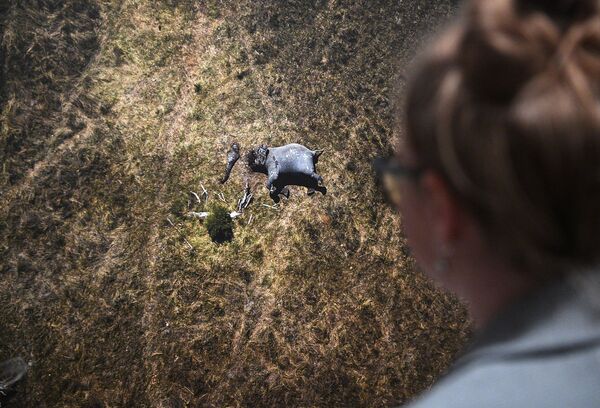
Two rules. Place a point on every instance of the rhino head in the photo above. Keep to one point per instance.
(257, 159)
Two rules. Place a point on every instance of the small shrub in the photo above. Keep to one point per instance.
(197, 114)
(219, 225)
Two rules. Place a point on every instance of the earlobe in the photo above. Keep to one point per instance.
(442, 262)
(445, 210)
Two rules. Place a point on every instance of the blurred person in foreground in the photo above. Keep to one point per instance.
(498, 181)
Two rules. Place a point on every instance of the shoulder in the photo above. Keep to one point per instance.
(544, 351)
(564, 380)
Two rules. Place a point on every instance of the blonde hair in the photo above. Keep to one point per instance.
(506, 107)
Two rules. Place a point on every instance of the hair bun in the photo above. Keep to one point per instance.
(565, 11)
(502, 48)
(506, 43)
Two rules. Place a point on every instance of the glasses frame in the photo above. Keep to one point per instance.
(393, 167)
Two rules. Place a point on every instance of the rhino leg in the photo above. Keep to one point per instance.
(274, 194)
(310, 191)
(273, 172)
(317, 178)
(271, 186)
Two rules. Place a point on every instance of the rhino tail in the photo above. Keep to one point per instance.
(317, 154)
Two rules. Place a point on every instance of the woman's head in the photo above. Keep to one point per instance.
(504, 116)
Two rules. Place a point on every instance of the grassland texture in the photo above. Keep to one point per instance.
(111, 112)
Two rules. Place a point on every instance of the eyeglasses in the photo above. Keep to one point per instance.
(390, 171)
(391, 166)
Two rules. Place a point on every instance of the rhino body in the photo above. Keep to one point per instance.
(292, 164)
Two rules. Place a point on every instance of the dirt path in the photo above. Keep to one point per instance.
(175, 125)
(69, 108)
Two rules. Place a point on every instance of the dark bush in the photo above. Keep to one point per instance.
(219, 225)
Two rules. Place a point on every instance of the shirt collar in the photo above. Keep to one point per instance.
(553, 319)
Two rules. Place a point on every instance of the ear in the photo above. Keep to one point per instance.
(444, 208)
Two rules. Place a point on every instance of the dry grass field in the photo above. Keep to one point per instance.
(112, 111)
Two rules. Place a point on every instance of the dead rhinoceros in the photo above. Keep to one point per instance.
(292, 164)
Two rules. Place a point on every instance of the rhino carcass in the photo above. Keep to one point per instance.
(292, 164)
